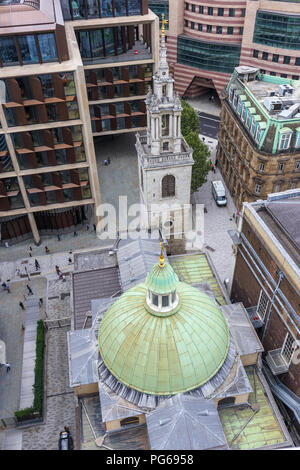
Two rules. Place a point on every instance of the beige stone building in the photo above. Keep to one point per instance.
(69, 71)
(259, 137)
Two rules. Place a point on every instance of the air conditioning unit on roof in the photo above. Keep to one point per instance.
(273, 104)
(285, 90)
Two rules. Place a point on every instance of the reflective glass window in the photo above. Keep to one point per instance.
(47, 47)
(106, 8)
(28, 49)
(8, 51)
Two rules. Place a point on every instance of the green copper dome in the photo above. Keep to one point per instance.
(162, 279)
(163, 355)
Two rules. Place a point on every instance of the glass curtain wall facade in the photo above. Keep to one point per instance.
(209, 56)
(88, 9)
(160, 7)
(277, 30)
(28, 49)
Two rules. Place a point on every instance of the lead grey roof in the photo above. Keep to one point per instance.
(83, 357)
(242, 329)
(286, 212)
(135, 260)
(114, 407)
(185, 423)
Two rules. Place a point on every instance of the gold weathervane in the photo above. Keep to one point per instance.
(163, 22)
(161, 258)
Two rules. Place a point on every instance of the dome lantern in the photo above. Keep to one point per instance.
(162, 298)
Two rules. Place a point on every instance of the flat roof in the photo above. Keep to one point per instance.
(282, 217)
(18, 18)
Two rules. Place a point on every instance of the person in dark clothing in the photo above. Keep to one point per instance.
(65, 440)
(37, 265)
(22, 305)
(29, 290)
(216, 163)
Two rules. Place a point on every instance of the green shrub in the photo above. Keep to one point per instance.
(38, 387)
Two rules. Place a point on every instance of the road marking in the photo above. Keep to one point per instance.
(211, 119)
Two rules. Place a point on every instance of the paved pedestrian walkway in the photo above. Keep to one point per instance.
(12, 439)
(203, 104)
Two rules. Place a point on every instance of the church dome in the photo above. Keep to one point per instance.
(163, 354)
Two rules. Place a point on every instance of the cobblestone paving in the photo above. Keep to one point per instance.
(60, 413)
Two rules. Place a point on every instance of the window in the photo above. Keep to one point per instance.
(219, 29)
(265, 56)
(283, 75)
(292, 185)
(275, 58)
(295, 77)
(241, 30)
(186, 23)
(210, 11)
(257, 189)
(209, 28)
(186, 6)
(28, 49)
(273, 74)
(201, 9)
(262, 305)
(8, 51)
(297, 61)
(47, 47)
(255, 53)
(252, 129)
(173, 296)
(168, 186)
(276, 188)
(155, 299)
(243, 12)
(281, 167)
(261, 167)
(288, 349)
(220, 11)
(192, 25)
(259, 134)
(230, 30)
(231, 12)
(165, 301)
(248, 118)
(193, 8)
(284, 141)
(286, 59)
(199, 27)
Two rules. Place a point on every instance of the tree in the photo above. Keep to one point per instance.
(189, 119)
(200, 155)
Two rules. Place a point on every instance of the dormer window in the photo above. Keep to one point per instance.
(162, 303)
(285, 138)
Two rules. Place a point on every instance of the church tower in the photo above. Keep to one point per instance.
(165, 160)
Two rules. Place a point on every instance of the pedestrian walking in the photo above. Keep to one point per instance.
(40, 302)
(22, 305)
(30, 292)
(30, 255)
(94, 225)
(105, 162)
(7, 365)
(216, 163)
(212, 166)
(6, 244)
(233, 215)
(47, 250)
(70, 261)
(75, 234)
(30, 248)
(87, 227)
(203, 139)
(37, 265)
(58, 238)
(18, 272)
(108, 160)
(23, 326)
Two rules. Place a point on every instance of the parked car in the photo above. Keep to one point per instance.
(65, 440)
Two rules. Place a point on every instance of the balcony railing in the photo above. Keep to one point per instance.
(276, 362)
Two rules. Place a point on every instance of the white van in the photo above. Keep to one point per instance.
(218, 192)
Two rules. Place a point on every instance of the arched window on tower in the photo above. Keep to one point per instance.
(168, 186)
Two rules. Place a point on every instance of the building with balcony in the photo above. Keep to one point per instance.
(207, 39)
(267, 280)
(259, 136)
(69, 71)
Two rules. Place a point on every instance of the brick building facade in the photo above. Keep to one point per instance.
(267, 279)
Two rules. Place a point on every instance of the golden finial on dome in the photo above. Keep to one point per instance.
(161, 258)
(163, 22)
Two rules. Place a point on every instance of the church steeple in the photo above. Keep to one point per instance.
(163, 108)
